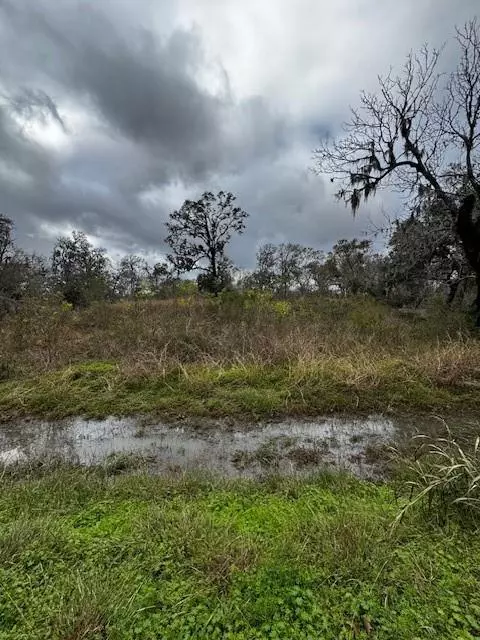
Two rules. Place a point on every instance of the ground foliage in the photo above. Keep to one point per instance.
(86, 554)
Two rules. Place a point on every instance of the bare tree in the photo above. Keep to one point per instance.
(419, 133)
(131, 273)
(283, 267)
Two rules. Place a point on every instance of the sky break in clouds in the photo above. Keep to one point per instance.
(113, 112)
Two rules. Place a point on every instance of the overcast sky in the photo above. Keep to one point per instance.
(114, 111)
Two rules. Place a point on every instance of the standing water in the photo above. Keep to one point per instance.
(290, 447)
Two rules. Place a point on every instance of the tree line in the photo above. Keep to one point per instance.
(423, 256)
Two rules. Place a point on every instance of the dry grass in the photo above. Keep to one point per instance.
(158, 335)
(289, 352)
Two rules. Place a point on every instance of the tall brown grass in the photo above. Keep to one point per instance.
(361, 337)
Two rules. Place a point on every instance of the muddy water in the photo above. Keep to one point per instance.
(289, 447)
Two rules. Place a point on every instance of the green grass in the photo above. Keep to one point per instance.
(443, 476)
(84, 554)
(100, 389)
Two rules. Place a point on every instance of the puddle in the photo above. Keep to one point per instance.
(290, 447)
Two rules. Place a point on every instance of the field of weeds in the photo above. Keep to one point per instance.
(115, 552)
(236, 354)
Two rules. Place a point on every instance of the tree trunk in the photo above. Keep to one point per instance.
(214, 272)
(477, 301)
(452, 291)
(213, 264)
(469, 233)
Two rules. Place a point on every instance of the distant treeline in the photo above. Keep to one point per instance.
(423, 256)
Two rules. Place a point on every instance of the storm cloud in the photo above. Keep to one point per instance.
(112, 113)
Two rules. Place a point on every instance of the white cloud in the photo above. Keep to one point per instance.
(312, 56)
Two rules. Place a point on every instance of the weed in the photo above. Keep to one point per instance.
(444, 477)
(269, 454)
(125, 461)
(304, 456)
(232, 355)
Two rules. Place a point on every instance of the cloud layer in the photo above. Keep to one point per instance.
(113, 112)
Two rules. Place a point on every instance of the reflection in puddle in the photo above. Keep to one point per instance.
(11, 456)
(285, 447)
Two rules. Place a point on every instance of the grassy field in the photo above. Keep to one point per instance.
(84, 555)
(113, 553)
(239, 355)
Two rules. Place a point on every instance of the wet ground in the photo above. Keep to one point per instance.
(358, 445)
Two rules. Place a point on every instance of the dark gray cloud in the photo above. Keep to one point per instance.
(143, 88)
(152, 122)
(114, 111)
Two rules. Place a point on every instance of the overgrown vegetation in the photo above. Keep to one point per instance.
(240, 354)
(88, 555)
(111, 552)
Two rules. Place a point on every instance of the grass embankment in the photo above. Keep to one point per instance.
(239, 356)
(84, 555)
